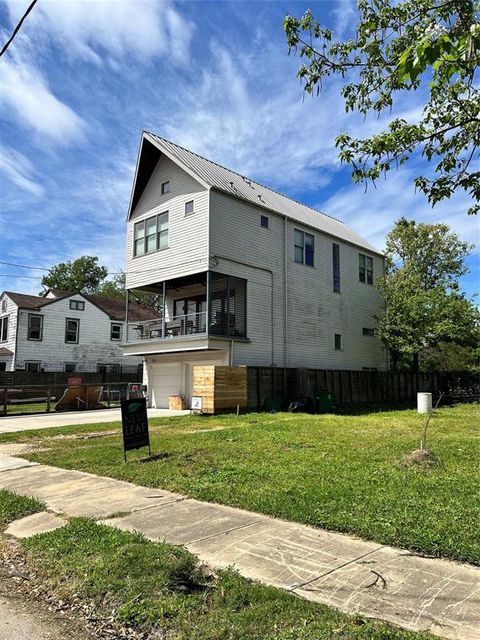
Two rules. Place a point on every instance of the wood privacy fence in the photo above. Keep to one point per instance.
(356, 387)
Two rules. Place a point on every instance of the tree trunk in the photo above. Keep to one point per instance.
(415, 362)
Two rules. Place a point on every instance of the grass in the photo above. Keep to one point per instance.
(343, 473)
(153, 585)
(13, 507)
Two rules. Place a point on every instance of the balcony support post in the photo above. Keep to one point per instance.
(126, 314)
(207, 321)
(164, 291)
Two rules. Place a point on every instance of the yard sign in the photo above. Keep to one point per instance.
(135, 425)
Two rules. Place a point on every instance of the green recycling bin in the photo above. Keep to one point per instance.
(323, 402)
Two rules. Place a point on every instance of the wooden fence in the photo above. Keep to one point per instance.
(355, 387)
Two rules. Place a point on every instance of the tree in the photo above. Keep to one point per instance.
(114, 288)
(82, 275)
(432, 45)
(424, 303)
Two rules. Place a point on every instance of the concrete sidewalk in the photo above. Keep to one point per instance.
(353, 575)
(12, 424)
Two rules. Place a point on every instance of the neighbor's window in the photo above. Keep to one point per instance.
(304, 247)
(368, 332)
(150, 235)
(35, 327)
(70, 367)
(77, 305)
(4, 305)
(338, 342)
(115, 332)
(264, 222)
(336, 266)
(33, 365)
(188, 207)
(165, 187)
(72, 330)
(4, 329)
(365, 268)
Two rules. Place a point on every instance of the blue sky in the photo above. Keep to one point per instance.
(83, 78)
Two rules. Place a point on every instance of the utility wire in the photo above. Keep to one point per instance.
(17, 28)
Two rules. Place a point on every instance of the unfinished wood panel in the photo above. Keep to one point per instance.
(222, 388)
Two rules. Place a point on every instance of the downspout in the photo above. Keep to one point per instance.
(252, 266)
(126, 314)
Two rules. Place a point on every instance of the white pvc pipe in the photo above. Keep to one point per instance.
(424, 402)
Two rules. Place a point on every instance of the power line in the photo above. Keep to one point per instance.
(23, 266)
(17, 275)
(17, 28)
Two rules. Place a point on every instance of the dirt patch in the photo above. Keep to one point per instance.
(19, 448)
(85, 436)
(421, 458)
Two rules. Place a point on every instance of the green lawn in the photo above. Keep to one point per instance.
(344, 473)
(14, 507)
(154, 585)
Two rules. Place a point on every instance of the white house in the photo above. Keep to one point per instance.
(249, 276)
(69, 332)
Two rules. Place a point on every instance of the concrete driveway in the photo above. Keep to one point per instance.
(11, 424)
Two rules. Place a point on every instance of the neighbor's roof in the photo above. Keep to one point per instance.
(5, 352)
(113, 307)
(234, 184)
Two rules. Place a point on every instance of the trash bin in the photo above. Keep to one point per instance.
(323, 402)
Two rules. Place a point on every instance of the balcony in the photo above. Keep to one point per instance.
(207, 304)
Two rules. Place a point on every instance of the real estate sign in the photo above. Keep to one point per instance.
(135, 424)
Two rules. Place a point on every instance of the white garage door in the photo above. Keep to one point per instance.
(166, 382)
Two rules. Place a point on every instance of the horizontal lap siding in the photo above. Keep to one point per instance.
(188, 235)
(11, 313)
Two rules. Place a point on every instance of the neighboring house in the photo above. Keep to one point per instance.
(68, 332)
(249, 276)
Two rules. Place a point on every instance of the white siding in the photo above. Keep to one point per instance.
(315, 312)
(94, 346)
(12, 313)
(188, 235)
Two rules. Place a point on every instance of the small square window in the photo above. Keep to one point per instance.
(165, 187)
(70, 367)
(188, 207)
(33, 365)
(264, 222)
(77, 305)
(338, 342)
(366, 331)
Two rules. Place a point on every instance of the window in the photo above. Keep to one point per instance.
(304, 247)
(336, 266)
(264, 222)
(338, 342)
(35, 327)
(4, 305)
(115, 332)
(70, 367)
(33, 365)
(368, 332)
(4, 329)
(165, 187)
(150, 235)
(188, 207)
(77, 305)
(3, 366)
(72, 329)
(365, 268)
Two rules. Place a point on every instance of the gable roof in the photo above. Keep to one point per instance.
(213, 175)
(113, 307)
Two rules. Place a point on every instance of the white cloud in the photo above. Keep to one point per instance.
(372, 214)
(122, 28)
(25, 92)
(19, 170)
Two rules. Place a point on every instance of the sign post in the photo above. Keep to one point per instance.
(135, 425)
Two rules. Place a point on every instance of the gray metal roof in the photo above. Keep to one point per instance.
(234, 184)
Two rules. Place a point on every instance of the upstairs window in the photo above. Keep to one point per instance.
(336, 266)
(115, 331)
(188, 207)
(4, 305)
(365, 268)
(304, 248)
(368, 331)
(72, 330)
(150, 235)
(4, 329)
(165, 187)
(264, 222)
(33, 365)
(35, 327)
(77, 305)
(338, 342)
